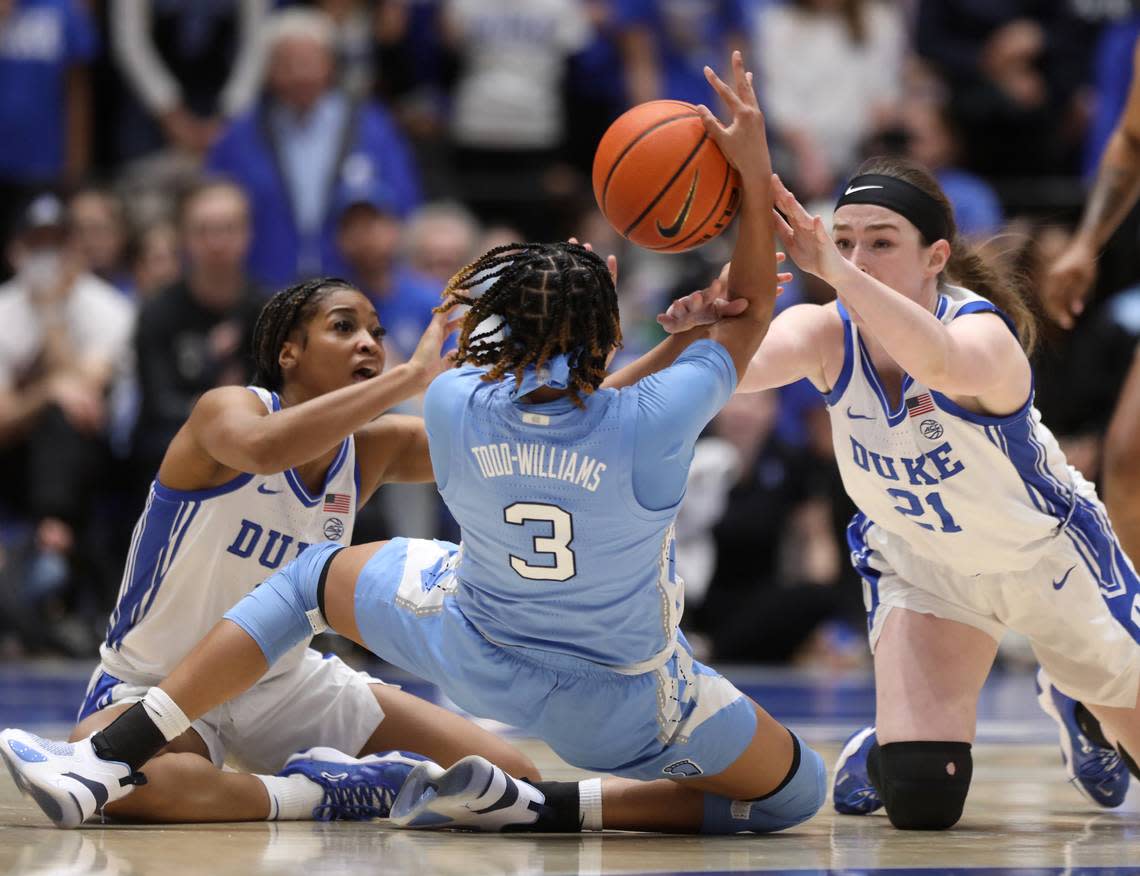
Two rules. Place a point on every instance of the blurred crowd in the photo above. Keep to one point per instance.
(167, 164)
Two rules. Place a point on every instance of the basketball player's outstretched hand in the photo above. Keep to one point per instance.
(1067, 283)
(803, 236)
(743, 140)
(428, 356)
(706, 306)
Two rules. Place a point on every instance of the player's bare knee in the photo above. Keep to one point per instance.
(923, 784)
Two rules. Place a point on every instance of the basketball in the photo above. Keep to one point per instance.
(661, 180)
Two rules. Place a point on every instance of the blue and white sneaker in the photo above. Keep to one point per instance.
(356, 788)
(853, 793)
(68, 780)
(1095, 770)
(473, 794)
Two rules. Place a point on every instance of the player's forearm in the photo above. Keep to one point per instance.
(1115, 191)
(660, 357)
(752, 274)
(301, 433)
(912, 335)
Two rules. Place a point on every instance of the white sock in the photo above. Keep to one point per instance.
(166, 714)
(291, 798)
(590, 804)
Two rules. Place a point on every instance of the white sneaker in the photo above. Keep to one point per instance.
(68, 780)
(473, 794)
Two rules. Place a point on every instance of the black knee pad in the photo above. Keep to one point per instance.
(923, 784)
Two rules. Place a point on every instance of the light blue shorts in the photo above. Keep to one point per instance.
(681, 720)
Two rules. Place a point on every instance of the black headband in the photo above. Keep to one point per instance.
(907, 200)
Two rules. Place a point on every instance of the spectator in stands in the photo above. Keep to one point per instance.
(45, 123)
(597, 89)
(154, 260)
(440, 239)
(196, 334)
(369, 235)
(933, 139)
(354, 24)
(667, 43)
(99, 222)
(1016, 69)
(776, 557)
(187, 65)
(508, 116)
(302, 148)
(829, 73)
(64, 337)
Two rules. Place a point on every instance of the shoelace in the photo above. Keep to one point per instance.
(354, 800)
(1101, 765)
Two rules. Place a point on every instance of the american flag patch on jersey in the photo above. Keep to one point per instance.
(341, 503)
(920, 404)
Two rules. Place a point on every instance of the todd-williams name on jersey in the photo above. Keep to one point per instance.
(540, 461)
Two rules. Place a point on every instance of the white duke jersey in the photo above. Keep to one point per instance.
(195, 554)
(977, 493)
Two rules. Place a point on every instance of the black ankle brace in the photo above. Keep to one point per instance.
(132, 738)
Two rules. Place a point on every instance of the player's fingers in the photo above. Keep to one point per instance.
(572, 240)
(721, 88)
(730, 307)
(742, 79)
(712, 124)
(780, 257)
(784, 277)
(783, 229)
(611, 263)
(789, 204)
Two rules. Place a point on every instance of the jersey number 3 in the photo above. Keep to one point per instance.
(556, 545)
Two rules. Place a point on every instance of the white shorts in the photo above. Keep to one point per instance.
(1085, 633)
(321, 701)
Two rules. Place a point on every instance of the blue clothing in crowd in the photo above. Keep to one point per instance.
(369, 152)
(39, 41)
(1112, 73)
(977, 210)
(688, 35)
(407, 309)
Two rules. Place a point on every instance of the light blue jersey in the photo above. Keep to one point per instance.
(567, 513)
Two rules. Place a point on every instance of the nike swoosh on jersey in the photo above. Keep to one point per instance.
(851, 415)
(855, 189)
(675, 229)
(261, 489)
(1057, 585)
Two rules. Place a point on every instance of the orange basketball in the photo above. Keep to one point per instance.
(661, 181)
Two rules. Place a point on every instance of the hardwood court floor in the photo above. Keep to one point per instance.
(1021, 818)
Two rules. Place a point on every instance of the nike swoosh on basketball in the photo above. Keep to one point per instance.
(1057, 585)
(261, 489)
(855, 189)
(851, 415)
(674, 229)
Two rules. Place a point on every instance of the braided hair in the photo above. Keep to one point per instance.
(280, 317)
(542, 299)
